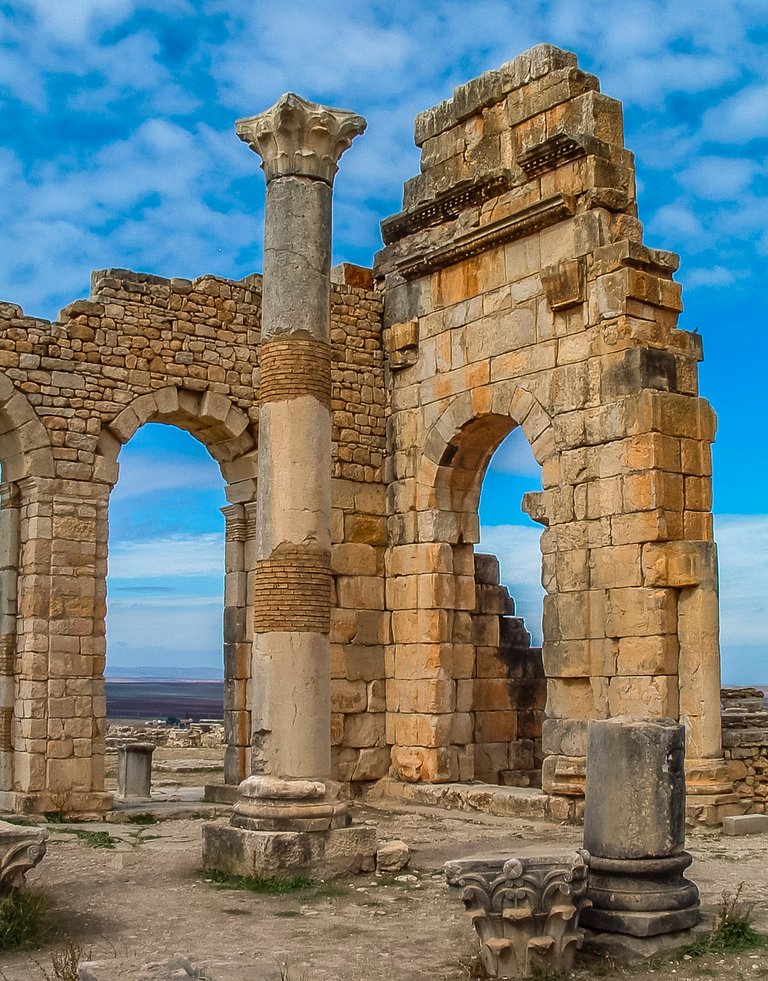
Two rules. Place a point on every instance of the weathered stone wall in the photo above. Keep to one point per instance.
(514, 290)
(508, 692)
(185, 353)
(518, 292)
(745, 746)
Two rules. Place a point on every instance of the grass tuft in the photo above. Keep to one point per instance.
(733, 931)
(22, 915)
(275, 886)
(142, 819)
(94, 839)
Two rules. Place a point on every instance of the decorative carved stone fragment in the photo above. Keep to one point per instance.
(20, 850)
(525, 910)
(447, 207)
(527, 221)
(297, 137)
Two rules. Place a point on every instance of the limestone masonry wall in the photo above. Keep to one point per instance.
(513, 289)
(745, 745)
(143, 349)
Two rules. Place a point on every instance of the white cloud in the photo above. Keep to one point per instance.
(158, 639)
(673, 222)
(151, 473)
(719, 178)
(178, 556)
(740, 118)
(743, 551)
(712, 276)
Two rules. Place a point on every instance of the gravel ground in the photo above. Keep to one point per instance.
(145, 899)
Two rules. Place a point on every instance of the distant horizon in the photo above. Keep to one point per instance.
(168, 679)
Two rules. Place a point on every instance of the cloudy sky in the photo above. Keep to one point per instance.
(118, 150)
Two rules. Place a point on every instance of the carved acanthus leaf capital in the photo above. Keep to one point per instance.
(300, 138)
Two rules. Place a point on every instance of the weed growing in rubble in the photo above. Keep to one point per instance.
(22, 913)
(94, 839)
(66, 962)
(733, 931)
(142, 818)
(277, 886)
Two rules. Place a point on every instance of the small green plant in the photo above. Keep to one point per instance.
(276, 886)
(142, 819)
(733, 931)
(22, 915)
(94, 839)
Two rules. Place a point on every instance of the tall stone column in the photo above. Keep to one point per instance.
(300, 144)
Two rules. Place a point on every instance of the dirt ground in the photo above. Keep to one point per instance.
(145, 899)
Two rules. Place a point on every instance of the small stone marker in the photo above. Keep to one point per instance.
(745, 824)
(134, 770)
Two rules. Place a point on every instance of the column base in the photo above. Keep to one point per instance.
(283, 828)
(641, 897)
(274, 804)
(280, 854)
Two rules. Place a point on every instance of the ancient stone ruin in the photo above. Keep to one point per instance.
(362, 634)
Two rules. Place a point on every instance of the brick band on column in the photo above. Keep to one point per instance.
(7, 654)
(292, 592)
(292, 367)
(6, 722)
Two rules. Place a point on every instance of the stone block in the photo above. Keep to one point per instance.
(495, 727)
(348, 696)
(431, 765)
(745, 824)
(270, 854)
(364, 662)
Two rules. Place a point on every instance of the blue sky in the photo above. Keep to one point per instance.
(118, 150)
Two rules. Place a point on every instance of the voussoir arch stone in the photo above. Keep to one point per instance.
(506, 400)
(25, 446)
(223, 428)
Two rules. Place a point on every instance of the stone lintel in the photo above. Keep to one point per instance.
(447, 206)
(526, 221)
(300, 138)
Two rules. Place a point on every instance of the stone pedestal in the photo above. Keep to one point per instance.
(288, 817)
(525, 910)
(634, 828)
(134, 770)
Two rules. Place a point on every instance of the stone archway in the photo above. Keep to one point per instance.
(228, 435)
(458, 703)
(518, 260)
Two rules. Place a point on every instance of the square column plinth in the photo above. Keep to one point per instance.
(272, 854)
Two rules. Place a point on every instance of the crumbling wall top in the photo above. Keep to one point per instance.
(492, 87)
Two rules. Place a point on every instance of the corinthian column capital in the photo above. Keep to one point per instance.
(300, 138)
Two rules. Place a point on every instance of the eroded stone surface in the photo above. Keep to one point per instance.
(514, 290)
(21, 849)
(525, 910)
